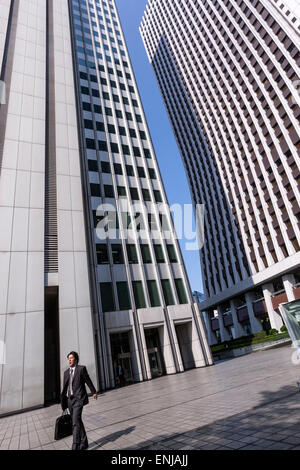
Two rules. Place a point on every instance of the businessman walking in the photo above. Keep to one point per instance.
(74, 397)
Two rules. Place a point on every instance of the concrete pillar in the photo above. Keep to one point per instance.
(135, 357)
(224, 334)
(145, 350)
(275, 318)
(288, 282)
(176, 345)
(203, 333)
(255, 323)
(166, 349)
(109, 361)
(238, 329)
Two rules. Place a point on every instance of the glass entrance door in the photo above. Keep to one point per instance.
(121, 358)
(155, 356)
(155, 362)
(125, 361)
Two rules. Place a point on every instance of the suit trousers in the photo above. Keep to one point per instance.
(80, 440)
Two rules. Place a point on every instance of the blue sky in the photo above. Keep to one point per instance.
(171, 166)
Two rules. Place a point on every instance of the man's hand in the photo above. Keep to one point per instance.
(95, 396)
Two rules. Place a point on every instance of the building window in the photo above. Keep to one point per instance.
(109, 191)
(134, 194)
(157, 196)
(86, 106)
(181, 291)
(132, 254)
(111, 129)
(97, 109)
(123, 296)
(126, 150)
(129, 170)
(152, 222)
(172, 254)
(95, 190)
(114, 147)
(92, 165)
(117, 254)
(122, 191)
(146, 194)
(136, 152)
(159, 254)
(105, 167)
(107, 297)
(118, 169)
(153, 294)
(102, 253)
(100, 126)
(168, 294)
(141, 172)
(146, 254)
(102, 145)
(139, 295)
(88, 124)
(90, 144)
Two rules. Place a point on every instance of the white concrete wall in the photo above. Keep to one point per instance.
(22, 216)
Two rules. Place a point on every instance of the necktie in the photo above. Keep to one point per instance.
(70, 390)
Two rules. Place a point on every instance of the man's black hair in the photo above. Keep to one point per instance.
(75, 354)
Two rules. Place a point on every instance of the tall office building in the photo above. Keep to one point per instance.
(73, 136)
(229, 74)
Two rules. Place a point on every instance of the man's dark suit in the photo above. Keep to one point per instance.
(76, 402)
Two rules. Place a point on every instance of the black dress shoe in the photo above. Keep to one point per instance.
(84, 447)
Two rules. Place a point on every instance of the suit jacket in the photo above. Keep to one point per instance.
(81, 377)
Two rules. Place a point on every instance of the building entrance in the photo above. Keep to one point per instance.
(121, 358)
(52, 356)
(154, 353)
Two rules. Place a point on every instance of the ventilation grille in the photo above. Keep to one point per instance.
(51, 238)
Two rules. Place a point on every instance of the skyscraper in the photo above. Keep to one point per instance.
(74, 149)
(229, 74)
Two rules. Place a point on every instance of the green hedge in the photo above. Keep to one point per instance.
(243, 341)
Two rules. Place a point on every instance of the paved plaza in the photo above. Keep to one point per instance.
(251, 402)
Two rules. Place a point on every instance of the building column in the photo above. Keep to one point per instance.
(238, 329)
(288, 282)
(275, 318)
(202, 335)
(145, 350)
(135, 356)
(110, 361)
(255, 323)
(224, 334)
(176, 346)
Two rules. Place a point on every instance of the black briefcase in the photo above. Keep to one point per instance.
(63, 426)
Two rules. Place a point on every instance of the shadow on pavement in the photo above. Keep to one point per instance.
(110, 438)
(271, 425)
